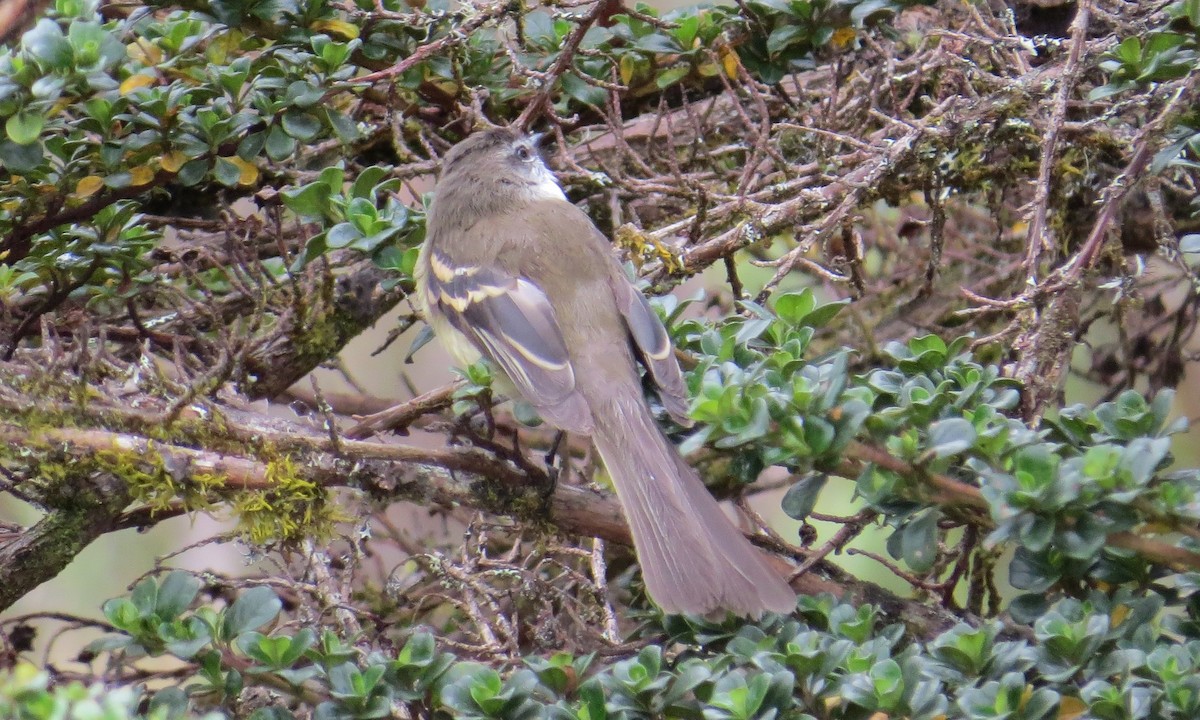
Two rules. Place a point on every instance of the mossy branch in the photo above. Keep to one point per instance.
(41, 552)
(448, 477)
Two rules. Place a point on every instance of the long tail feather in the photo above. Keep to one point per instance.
(693, 558)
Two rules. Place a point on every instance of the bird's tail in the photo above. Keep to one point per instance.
(693, 558)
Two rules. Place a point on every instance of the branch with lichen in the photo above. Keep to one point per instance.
(264, 462)
(277, 476)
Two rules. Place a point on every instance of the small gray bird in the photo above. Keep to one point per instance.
(513, 272)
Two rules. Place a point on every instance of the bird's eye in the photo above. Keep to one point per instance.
(523, 153)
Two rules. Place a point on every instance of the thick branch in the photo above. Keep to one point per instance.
(316, 328)
(446, 477)
(41, 552)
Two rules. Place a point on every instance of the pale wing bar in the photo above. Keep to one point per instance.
(512, 323)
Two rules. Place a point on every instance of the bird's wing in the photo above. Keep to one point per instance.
(511, 322)
(654, 347)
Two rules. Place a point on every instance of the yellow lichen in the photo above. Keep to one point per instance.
(643, 249)
(293, 507)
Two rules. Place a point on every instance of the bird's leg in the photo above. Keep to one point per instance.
(548, 477)
(554, 470)
(552, 453)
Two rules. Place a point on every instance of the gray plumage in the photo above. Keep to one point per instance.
(512, 271)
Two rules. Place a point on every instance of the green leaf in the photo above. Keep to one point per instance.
(333, 176)
(145, 596)
(47, 45)
(888, 681)
(585, 93)
(486, 686)
(886, 382)
(774, 6)
(21, 158)
(819, 434)
(226, 172)
(951, 436)
(400, 260)
(118, 180)
(784, 36)
(189, 639)
(539, 28)
(24, 127)
(93, 46)
(419, 650)
(1100, 462)
(593, 704)
(1102, 92)
(870, 10)
(193, 172)
(1036, 466)
(1032, 571)
(1129, 52)
(689, 25)
(253, 609)
(300, 125)
(794, 307)
(341, 235)
(48, 88)
(363, 214)
(424, 337)
(175, 594)
(122, 614)
(657, 43)
(927, 343)
(364, 184)
(251, 145)
(919, 540)
(965, 648)
(801, 498)
(280, 145)
(171, 702)
(672, 75)
(109, 643)
(303, 94)
(343, 125)
(311, 200)
(1084, 540)
(822, 314)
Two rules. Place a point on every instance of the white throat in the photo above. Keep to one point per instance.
(547, 189)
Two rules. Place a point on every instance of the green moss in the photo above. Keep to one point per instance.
(292, 509)
(209, 431)
(151, 481)
(526, 503)
(317, 333)
(62, 472)
(69, 406)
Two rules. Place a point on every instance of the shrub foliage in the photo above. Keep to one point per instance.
(916, 223)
